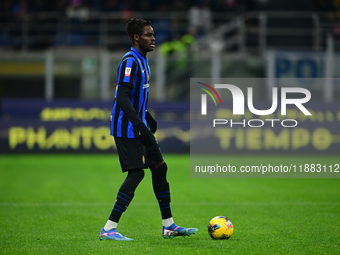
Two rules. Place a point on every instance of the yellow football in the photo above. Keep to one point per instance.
(220, 227)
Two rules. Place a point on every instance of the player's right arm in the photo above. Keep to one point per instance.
(126, 77)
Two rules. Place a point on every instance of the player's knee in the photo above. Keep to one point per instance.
(141, 174)
(161, 170)
(164, 167)
(137, 175)
(158, 165)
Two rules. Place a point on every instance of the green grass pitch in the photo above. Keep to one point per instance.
(57, 204)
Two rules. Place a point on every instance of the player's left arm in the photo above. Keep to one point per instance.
(151, 121)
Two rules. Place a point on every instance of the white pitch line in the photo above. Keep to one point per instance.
(137, 203)
(47, 204)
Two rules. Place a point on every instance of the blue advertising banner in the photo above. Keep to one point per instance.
(77, 126)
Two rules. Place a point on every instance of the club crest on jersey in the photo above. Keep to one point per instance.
(128, 71)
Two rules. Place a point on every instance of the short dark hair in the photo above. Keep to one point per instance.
(136, 26)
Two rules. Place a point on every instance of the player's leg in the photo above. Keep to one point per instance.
(126, 193)
(132, 159)
(161, 189)
(162, 192)
(124, 197)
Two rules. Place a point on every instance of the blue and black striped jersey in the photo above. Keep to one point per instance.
(134, 73)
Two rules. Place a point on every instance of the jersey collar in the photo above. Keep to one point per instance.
(137, 52)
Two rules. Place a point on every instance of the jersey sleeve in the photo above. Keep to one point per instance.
(123, 100)
(127, 72)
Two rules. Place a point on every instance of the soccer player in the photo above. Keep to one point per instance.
(132, 127)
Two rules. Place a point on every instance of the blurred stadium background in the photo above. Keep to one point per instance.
(58, 63)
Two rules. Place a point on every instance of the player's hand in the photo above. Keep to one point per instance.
(151, 121)
(145, 135)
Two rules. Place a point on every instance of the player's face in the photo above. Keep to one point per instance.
(147, 39)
